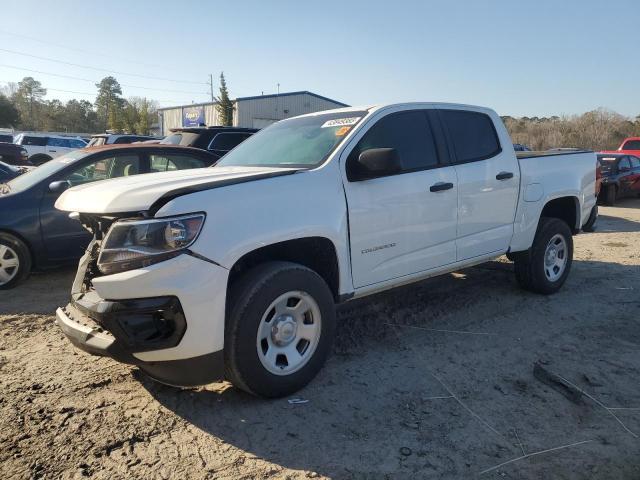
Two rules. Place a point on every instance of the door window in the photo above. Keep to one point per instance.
(75, 143)
(635, 162)
(409, 133)
(58, 142)
(169, 162)
(35, 141)
(105, 168)
(472, 134)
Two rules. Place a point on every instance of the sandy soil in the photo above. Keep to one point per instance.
(430, 380)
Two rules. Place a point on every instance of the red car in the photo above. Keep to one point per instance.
(630, 146)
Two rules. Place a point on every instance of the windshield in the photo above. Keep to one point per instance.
(302, 142)
(32, 177)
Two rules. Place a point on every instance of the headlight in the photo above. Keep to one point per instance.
(132, 244)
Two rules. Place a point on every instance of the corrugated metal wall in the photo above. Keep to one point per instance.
(256, 112)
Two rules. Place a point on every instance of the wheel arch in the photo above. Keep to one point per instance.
(317, 253)
(566, 208)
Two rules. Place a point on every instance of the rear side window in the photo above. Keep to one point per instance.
(631, 145)
(624, 164)
(409, 133)
(472, 135)
(123, 140)
(635, 162)
(227, 141)
(35, 141)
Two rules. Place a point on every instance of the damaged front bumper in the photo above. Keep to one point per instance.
(173, 329)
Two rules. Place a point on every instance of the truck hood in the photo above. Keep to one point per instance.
(140, 192)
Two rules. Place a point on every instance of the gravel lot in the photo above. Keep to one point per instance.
(430, 380)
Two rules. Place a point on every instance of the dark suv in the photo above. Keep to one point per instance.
(14, 154)
(217, 140)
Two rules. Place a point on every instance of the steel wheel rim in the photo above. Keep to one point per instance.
(9, 264)
(289, 333)
(555, 257)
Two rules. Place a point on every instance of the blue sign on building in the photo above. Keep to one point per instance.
(192, 116)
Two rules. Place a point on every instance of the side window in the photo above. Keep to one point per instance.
(624, 164)
(631, 145)
(75, 143)
(635, 162)
(227, 141)
(105, 168)
(472, 134)
(409, 133)
(58, 142)
(169, 162)
(122, 140)
(36, 141)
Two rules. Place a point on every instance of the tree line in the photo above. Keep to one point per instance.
(600, 129)
(23, 107)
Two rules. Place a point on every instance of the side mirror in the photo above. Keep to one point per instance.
(59, 186)
(378, 162)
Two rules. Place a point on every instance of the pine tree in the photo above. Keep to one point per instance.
(225, 104)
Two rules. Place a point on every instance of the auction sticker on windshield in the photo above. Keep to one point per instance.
(340, 122)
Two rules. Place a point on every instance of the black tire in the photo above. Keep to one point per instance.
(39, 159)
(16, 250)
(610, 195)
(530, 266)
(248, 301)
(590, 226)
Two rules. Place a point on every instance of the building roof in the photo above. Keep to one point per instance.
(256, 97)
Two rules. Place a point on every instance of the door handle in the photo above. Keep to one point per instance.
(51, 150)
(504, 175)
(441, 186)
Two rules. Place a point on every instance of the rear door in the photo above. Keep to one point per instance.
(635, 170)
(404, 223)
(488, 181)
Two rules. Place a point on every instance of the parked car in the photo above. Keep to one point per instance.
(518, 147)
(9, 172)
(235, 270)
(630, 146)
(620, 176)
(117, 139)
(217, 140)
(6, 138)
(14, 154)
(33, 234)
(43, 147)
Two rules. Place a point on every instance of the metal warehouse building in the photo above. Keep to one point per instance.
(251, 112)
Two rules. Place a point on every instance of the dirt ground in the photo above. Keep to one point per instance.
(430, 380)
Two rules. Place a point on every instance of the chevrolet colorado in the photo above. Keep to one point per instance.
(233, 271)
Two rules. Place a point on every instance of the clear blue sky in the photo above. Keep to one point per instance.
(541, 57)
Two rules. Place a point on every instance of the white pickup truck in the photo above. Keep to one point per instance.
(234, 271)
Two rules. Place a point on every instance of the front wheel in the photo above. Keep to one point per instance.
(279, 329)
(545, 267)
(15, 261)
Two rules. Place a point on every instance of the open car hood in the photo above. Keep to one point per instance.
(140, 192)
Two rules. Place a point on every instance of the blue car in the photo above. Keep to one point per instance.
(33, 234)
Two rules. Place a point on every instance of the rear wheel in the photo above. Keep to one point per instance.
(610, 195)
(590, 226)
(15, 261)
(545, 267)
(279, 330)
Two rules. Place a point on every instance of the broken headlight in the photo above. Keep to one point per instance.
(132, 244)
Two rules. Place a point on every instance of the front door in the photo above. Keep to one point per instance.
(65, 238)
(403, 223)
(488, 182)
